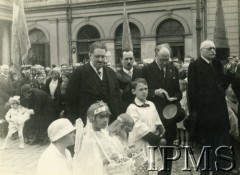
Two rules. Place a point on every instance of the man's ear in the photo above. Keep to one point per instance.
(134, 91)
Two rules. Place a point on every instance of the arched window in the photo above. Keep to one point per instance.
(171, 31)
(86, 36)
(136, 40)
(39, 52)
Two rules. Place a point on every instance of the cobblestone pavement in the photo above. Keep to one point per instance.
(16, 161)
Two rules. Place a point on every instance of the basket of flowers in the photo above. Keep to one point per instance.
(139, 157)
(121, 166)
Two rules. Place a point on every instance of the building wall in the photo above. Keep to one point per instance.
(106, 18)
(232, 22)
(52, 20)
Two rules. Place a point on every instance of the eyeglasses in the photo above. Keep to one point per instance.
(126, 59)
(210, 48)
(100, 56)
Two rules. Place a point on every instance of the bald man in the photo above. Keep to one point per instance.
(161, 75)
(207, 104)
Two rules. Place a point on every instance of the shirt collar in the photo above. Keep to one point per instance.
(139, 102)
(127, 71)
(101, 69)
(205, 59)
(159, 66)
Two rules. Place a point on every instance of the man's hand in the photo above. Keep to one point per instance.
(159, 93)
(162, 142)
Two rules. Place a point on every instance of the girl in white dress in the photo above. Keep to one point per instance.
(96, 152)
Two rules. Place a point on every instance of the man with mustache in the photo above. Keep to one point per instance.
(90, 83)
(125, 76)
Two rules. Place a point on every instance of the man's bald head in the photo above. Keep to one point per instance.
(162, 55)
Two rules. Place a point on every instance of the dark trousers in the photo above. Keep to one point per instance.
(169, 163)
(215, 141)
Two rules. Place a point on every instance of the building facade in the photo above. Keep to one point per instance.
(61, 30)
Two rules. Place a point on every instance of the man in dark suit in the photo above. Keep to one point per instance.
(163, 76)
(90, 83)
(6, 85)
(208, 108)
(125, 76)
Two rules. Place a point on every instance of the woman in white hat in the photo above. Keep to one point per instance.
(53, 87)
(57, 159)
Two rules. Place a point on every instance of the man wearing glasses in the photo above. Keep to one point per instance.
(93, 82)
(125, 76)
(208, 108)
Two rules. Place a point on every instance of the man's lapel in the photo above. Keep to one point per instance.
(93, 78)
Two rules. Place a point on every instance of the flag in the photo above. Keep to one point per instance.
(220, 37)
(20, 38)
(126, 35)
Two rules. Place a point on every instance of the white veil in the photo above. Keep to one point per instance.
(88, 159)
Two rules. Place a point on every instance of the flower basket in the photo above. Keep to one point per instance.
(139, 158)
(123, 168)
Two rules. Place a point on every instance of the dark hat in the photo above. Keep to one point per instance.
(26, 88)
(174, 112)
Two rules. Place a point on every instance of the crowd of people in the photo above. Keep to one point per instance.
(119, 112)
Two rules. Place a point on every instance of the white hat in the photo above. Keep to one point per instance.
(14, 98)
(57, 69)
(59, 128)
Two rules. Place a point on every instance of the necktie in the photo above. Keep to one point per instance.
(210, 63)
(130, 73)
(162, 71)
(99, 73)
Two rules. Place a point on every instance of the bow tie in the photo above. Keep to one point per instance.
(144, 105)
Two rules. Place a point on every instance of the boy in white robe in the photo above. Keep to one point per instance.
(148, 129)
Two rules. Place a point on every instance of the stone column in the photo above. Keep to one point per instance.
(53, 31)
(147, 48)
(63, 42)
(190, 48)
(6, 57)
(111, 49)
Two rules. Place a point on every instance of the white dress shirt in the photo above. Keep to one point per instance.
(129, 72)
(100, 75)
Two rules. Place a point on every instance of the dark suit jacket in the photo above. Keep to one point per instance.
(236, 84)
(83, 89)
(6, 88)
(124, 81)
(170, 83)
(206, 90)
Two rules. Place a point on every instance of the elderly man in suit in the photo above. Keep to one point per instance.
(163, 76)
(93, 82)
(125, 76)
(208, 108)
